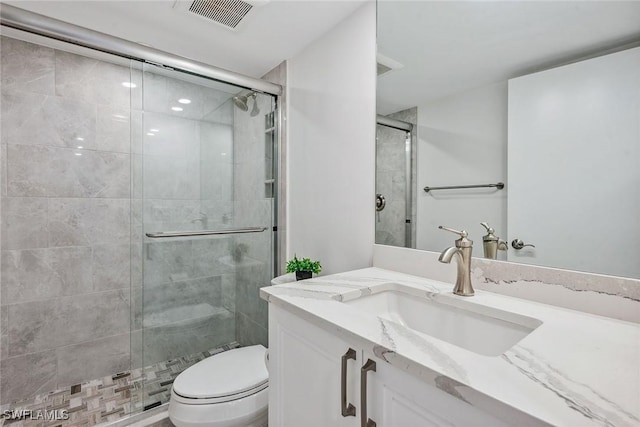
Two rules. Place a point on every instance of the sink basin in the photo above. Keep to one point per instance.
(483, 330)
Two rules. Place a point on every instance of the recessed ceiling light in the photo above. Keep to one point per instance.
(80, 147)
(129, 84)
(78, 154)
(154, 130)
(150, 134)
(80, 138)
(176, 108)
(184, 101)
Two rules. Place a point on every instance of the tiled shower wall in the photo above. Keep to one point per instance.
(390, 181)
(65, 297)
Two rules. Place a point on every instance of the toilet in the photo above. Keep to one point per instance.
(229, 389)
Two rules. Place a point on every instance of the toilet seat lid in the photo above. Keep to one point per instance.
(227, 373)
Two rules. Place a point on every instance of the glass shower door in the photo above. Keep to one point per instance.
(204, 201)
(393, 187)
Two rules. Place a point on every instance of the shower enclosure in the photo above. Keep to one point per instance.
(138, 224)
(395, 177)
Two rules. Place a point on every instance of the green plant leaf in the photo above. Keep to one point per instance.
(304, 264)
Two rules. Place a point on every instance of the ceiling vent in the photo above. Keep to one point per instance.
(228, 13)
(386, 65)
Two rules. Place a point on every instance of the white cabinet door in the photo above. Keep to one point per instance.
(305, 374)
(395, 399)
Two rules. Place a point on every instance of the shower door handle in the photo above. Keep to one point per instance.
(159, 234)
(364, 420)
(348, 410)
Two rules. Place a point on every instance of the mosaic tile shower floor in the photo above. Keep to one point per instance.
(105, 399)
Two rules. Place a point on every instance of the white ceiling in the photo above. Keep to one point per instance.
(448, 47)
(273, 32)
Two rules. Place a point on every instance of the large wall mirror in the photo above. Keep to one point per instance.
(524, 116)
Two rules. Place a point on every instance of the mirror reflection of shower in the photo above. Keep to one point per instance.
(242, 102)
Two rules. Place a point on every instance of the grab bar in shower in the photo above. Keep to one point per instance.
(499, 186)
(159, 234)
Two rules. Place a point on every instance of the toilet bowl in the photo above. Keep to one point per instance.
(228, 389)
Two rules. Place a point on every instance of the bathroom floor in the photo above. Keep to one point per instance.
(105, 399)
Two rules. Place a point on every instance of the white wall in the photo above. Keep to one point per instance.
(462, 139)
(574, 157)
(331, 157)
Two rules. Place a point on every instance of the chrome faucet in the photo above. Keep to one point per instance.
(462, 252)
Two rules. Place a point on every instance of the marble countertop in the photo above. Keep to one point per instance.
(575, 369)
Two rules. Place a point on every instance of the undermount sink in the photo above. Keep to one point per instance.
(483, 330)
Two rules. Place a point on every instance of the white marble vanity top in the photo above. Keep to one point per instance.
(574, 370)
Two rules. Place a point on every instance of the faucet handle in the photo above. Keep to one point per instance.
(462, 233)
(487, 227)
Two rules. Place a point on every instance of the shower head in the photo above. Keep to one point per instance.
(242, 102)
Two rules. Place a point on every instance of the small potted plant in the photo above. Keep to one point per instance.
(304, 268)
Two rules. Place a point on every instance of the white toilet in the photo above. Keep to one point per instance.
(228, 389)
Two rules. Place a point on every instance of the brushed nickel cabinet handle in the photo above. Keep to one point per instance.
(348, 410)
(364, 420)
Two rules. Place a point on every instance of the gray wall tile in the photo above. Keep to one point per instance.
(93, 359)
(111, 267)
(4, 319)
(4, 348)
(166, 262)
(249, 280)
(24, 223)
(4, 330)
(85, 222)
(188, 337)
(113, 129)
(136, 262)
(90, 80)
(136, 308)
(171, 157)
(28, 171)
(38, 274)
(26, 66)
(162, 92)
(59, 172)
(34, 119)
(83, 173)
(211, 256)
(229, 291)
(181, 297)
(42, 325)
(250, 333)
(3, 170)
(27, 375)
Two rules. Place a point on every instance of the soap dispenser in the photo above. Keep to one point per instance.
(491, 243)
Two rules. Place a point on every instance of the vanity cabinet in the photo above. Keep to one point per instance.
(305, 387)
(305, 374)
